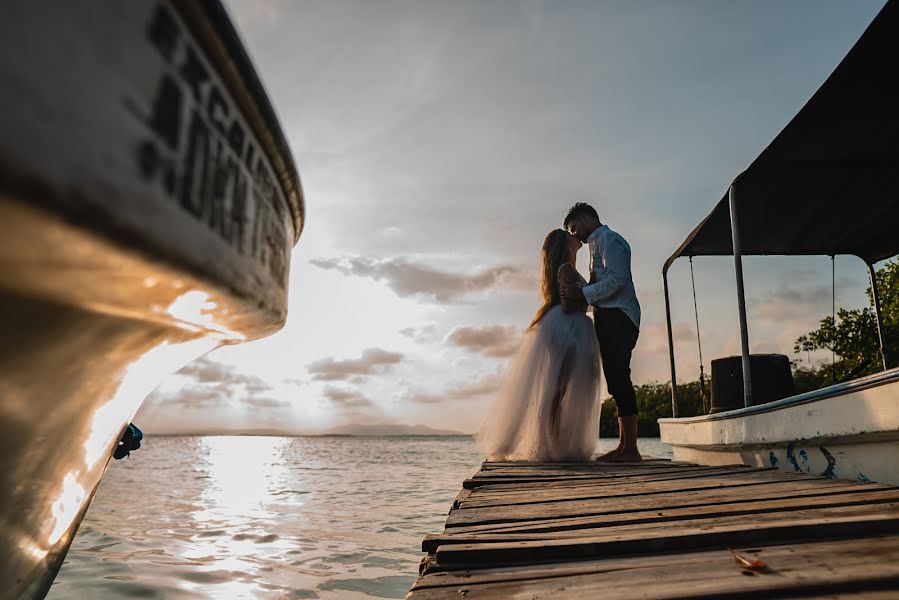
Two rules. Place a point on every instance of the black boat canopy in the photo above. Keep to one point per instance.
(829, 182)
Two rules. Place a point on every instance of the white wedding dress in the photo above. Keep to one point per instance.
(547, 408)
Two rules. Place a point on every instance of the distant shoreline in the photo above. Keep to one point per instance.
(337, 435)
(315, 435)
(347, 430)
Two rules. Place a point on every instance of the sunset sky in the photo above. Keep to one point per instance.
(439, 142)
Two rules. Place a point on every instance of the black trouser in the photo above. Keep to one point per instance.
(617, 337)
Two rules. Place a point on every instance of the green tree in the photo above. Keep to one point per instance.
(853, 338)
(654, 403)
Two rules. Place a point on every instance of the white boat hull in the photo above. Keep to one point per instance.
(849, 431)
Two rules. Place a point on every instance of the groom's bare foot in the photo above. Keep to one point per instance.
(609, 455)
(626, 456)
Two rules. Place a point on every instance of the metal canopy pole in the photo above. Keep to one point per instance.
(670, 344)
(876, 295)
(741, 296)
(698, 341)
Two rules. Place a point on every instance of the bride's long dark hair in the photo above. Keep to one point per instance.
(555, 253)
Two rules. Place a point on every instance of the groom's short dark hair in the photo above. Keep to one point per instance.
(581, 209)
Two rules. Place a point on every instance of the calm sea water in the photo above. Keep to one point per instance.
(269, 517)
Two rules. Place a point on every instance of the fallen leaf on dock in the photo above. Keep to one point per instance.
(753, 564)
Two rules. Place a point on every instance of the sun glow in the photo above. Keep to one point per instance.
(243, 477)
(66, 507)
(194, 308)
(241, 470)
(139, 379)
(34, 551)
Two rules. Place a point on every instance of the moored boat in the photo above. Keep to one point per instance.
(148, 207)
(826, 185)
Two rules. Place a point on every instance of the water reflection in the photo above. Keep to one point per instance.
(243, 475)
(266, 518)
(235, 513)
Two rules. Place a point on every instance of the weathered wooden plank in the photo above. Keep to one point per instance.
(650, 463)
(590, 465)
(525, 481)
(499, 486)
(675, 499)
(850, 496)
(596, 469)
(501, 490)
(778, 556)
(618, 473)
(551, 494)
(609, 530)
(854, 594)
(460, 497)
(473, 483)
(466, 556)
(592, 473)
(809, 569)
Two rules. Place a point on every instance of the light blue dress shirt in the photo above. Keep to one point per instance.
(610, 262)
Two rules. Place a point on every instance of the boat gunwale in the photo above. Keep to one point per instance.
(856, 385)
(212, 28)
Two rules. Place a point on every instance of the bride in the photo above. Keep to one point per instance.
(547, 408)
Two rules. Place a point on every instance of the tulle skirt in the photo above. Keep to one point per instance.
(547, 408)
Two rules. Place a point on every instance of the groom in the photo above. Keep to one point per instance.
(616, 317)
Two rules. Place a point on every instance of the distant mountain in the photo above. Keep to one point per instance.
(388, 429)
(231, 431)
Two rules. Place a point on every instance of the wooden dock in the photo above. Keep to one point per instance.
(662, 529)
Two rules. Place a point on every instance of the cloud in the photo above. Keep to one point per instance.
(789, 302)
(409, 278)
(205, 370)
(208, 397)
(263, 402)
(347, 398)
(654, 337)
(212, 408)
(421, 333)
(259, 13)
(212, 385)
(391, 232)
(461, 391)
(194, 397)
(495, 341)
(372, 361)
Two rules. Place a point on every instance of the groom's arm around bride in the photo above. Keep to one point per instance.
(572, 303)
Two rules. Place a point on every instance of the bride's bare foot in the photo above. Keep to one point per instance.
(608, 455)
(626, 456)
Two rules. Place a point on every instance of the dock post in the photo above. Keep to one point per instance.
(877, 314)
(741, 295)
(670, 343)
